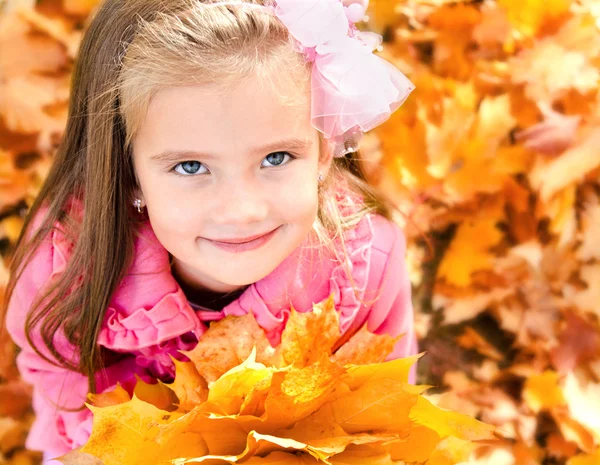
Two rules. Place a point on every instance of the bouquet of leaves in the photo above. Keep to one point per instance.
(306, 401)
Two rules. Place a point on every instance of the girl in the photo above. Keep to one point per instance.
(209, 168)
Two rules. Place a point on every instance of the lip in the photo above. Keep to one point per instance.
(244, 244)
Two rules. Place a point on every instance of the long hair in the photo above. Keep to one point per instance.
(131, 50)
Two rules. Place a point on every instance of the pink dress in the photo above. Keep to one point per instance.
(149, 317)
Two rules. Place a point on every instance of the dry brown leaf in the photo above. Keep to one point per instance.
(22, 103)
(550, 176)
(471, 339)
(189, 387)
(364, 347)
(217, 353)
(553, 135)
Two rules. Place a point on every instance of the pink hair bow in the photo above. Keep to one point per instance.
(353, 90)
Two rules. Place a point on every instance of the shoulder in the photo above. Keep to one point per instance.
(36, 274)
(387, 236)
(381, 235)
(382, 245)
(372, 249)
(388, 245)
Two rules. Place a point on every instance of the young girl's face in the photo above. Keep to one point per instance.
(218, 169)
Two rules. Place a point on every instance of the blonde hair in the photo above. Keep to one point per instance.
(217, 47)
(131, 50)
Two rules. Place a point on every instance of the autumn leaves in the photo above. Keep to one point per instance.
(240, 400)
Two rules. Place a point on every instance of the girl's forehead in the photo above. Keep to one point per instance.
(194, 116)
(279, 91)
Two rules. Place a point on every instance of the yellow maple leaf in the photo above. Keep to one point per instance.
(529, 16)
(252, 413)
(124, 431)
(543, 391)
(416, 445)
(219, 435)
(230, 391)
(403, 147)
(585, 459)
(473, 173)
(469, 250)
(449, 424)
(297, 393)
(299, 346)
(189, 387)
(115, 397)
(357, 375)
(381, 14)
(450, 451)
(362, 456)
(283, 458)
(376, 405)
(444, 139)
(157, 394)
(326, 437)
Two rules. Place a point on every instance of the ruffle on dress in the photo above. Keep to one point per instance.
(348, 281)
(146, 327)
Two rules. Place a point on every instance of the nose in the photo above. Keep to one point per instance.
(240, 202)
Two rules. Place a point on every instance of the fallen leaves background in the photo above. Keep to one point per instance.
(493, 161)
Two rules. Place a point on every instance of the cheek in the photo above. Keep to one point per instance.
(171, 212)
(298, 200)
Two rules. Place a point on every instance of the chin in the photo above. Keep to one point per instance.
(240, 279)
(243, 276)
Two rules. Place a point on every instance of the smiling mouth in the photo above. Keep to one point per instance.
(244, 244)
(244, 240)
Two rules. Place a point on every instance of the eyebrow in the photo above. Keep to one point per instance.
(287, 144)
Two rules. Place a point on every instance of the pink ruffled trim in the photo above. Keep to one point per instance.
(347, 300)
(271, 320)
(169, 318)
(156, 359)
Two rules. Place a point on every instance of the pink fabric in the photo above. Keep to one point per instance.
(352, 89)
(149, 317)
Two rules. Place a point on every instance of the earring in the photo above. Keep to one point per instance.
(320, 178)
(137, 203)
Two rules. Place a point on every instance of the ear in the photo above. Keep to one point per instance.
(137, 194)
(326, 156)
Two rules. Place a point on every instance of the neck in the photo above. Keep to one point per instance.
(203, 296)
(210, 299)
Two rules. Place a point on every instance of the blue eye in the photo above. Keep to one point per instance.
(277, 159)
(190, 167)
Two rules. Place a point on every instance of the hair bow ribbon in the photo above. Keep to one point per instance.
(353, 90)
